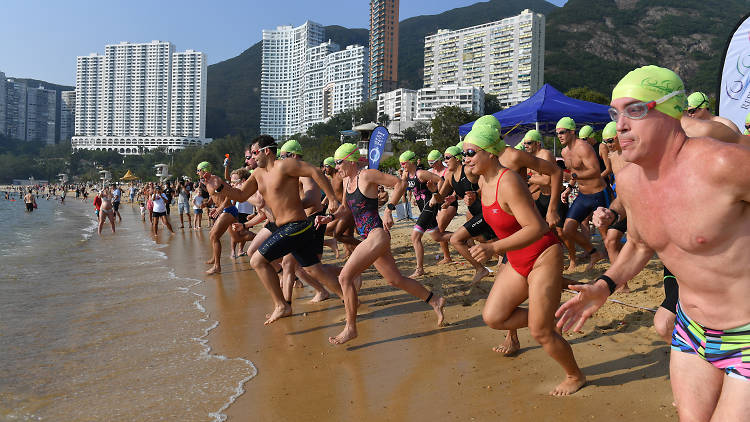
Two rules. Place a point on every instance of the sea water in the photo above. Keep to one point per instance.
(96, 328)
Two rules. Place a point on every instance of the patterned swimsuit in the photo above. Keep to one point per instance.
(364, 210)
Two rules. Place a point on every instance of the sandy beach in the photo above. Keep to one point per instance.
(401, 367)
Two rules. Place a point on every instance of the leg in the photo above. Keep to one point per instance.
(733, 404)
(570, 229)
(696, 385)
(289, 268)
(101, 222)
(570, 245)
(165, 219)
(459, 240)
(613, 245)
(442, 238)
(386, 266)
(182, 222)
(270, 280)
(221, 226)
(112, 220)
(416, 240)
(322, 294)
(544, 298)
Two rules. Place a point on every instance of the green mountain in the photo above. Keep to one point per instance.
(595, 42)
(588, 43)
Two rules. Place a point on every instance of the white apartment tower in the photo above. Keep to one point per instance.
(399, 105)
(282, 77)
(67, 114)
(188, 102)
(314, 81)
(140, 96)
(468, 98)
(3, 103)
(346, 76)
(504, 58)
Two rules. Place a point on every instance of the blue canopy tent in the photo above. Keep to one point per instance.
(542, 110)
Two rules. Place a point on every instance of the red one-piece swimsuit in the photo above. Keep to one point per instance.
(503, 224)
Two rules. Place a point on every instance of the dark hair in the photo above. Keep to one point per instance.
(266, 141)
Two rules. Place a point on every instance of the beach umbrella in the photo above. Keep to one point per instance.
(129, 176)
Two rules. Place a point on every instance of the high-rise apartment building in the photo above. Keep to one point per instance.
(383, 46)
(468, 98)
(299, 91)
(504, 58)
(3, 103)
(282, 77)
(40, 115)
(15, 112)
(400, 105)
(140, 96)
(67, 114)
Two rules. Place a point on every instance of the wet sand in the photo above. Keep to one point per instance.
(401, 367)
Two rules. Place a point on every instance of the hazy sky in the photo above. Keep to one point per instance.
(40, 39)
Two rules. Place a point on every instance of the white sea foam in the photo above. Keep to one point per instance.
(217, 416)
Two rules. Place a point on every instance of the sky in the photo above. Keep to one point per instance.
(41, 39)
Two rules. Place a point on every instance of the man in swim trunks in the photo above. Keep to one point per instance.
(278, 182)
(698, 108)
(602, 152)
(580, 159)
(706, 247)
(30, 201)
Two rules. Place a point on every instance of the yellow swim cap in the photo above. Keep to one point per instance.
(434, 155)
(650, 83)
(454, 151)
(330, 162)
(485, 137)
(292, 146)
(533, 135)
(566, 123)
(586, 132)
(610, 131)
(407, 156)
(204, 166)
(347, 152)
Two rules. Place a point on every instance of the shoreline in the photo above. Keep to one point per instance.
(401, 364)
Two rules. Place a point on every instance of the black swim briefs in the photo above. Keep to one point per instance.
(297, 238)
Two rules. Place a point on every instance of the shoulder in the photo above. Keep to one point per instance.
(721, 161)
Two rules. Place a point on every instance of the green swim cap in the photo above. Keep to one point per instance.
(347, 152)
(649, 83)
(747, 118)
(434, 155)
(205, 166)
(697, 100)
(488, 120)
(566, 123)
(533, 135)
(407, 156)
(330, 162)
(586, 132)
(292, 146)
(610, 131)
(454, 151)
(485, 137)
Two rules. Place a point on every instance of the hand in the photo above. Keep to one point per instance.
(603, 217)
(215, 213)
(238, 227)
(469, 198)
(333, 205)
(433, 201)
(552, 218)
(482, 251)
(449, 199)
(322, 219)
(577, 310)
(564, 196)
(387, 220)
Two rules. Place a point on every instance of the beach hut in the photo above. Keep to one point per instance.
(542, 110)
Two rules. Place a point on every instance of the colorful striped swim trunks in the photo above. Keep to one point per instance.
(728, 350)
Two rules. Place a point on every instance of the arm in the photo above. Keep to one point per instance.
(239, 195)
(399, 186)
(634, 255)
(297, 168)
(604, 153)
(445, 190)
(549, 168)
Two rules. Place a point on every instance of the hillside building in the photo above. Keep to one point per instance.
(468, 98)
(41, 106)
(138, 97)
(3, 103)
(504, 58)
(383, 46)
(67, 115)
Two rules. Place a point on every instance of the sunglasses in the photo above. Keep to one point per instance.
(431, 162)
(637, 111)
(247, 157)
(469, 153)
(448, 157)
(257, 151)
(561, 132)
(527, 143)
(338, 162)
(609, 141)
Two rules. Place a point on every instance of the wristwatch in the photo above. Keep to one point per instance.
(391, 206)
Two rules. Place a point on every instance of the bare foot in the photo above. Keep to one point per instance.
(445, 261)
(417, 273)
(279, 312)
(333, 244)
(595, 257)
(213, 270)
(438, 303)
(481, 273)
(320, 296)
(344, 336)
(210, 261)
(298, 284)
(510, 346)
(569, 386)
(572, 266)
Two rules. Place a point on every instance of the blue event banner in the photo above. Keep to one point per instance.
(377, 145)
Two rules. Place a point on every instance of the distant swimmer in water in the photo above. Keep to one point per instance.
(106, 210)
(30, 201)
